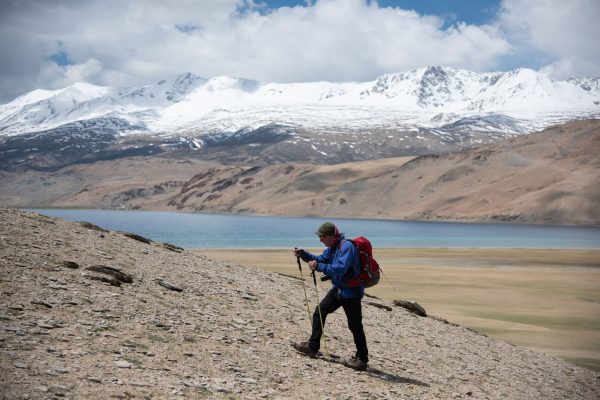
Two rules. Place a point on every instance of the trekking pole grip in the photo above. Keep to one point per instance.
(298, 260)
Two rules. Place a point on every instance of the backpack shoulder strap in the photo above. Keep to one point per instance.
(346, 240)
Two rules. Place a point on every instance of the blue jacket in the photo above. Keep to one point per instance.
(340, 263)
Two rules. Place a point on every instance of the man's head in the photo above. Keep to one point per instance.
(327, 232)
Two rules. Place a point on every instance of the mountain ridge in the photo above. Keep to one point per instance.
(545, 177)
(448, 90)
(431, 110)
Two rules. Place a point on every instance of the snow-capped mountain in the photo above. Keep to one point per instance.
(446, 105)
(45, 109)
(418, 97)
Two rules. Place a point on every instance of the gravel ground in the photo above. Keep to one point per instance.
(90, 313)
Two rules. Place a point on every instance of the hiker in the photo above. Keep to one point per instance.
(340, 262)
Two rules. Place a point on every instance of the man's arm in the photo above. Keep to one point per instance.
(341, 265)
(323, 258)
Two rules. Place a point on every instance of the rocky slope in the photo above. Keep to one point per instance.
(90, 313)
(546, 177)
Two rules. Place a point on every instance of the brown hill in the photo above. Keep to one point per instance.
(547, 177)
(89, 313)
(550, 177)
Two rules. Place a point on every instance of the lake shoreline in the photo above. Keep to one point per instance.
(349, 218)
(274, 248)
(213, 231)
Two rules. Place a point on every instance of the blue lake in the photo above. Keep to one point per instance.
(234, 231)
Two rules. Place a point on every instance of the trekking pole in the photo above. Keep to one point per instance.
(388, 279)
(304, 287)
(320, 315)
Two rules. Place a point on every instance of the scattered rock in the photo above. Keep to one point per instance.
(91, 226)
(168, 285)
(110, 280)
(411, 306)
(136, 237)
(50, 324)
(58, 287)
(138, 384)
(70, 264)
(172, 247)
(10, 328)
(59, 390)
(123, 364)
(378, 305)
(114, 272)
(41, 303)
(62, 370)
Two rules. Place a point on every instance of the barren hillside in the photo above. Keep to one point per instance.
(549, 177)
(546, 177)
(90, 313)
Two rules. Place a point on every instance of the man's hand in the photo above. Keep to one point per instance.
(296, 252)
(313, 265)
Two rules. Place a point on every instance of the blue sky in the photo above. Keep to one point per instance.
(52, 44)
(469, 11)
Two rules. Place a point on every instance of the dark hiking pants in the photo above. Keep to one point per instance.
(353, 310)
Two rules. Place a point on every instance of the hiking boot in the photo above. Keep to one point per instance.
(304, 348)
(356, 363)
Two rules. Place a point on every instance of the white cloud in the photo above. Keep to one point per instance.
(562, 34)
(337, 40)
(54, 76)
(118, 42)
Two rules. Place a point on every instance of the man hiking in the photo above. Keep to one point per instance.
(340, 262)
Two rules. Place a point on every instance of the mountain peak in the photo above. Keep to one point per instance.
(82, 91)
(181, 85)
(182, 77)
(219, 83)
(436, 70)
(184, 100)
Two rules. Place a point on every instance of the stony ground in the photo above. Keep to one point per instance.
(88, 313)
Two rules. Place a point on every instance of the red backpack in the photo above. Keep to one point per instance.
(369, 268)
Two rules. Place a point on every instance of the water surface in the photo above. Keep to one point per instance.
(190, 230)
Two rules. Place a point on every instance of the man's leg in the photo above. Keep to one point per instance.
(353, 310)
(328, 305)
